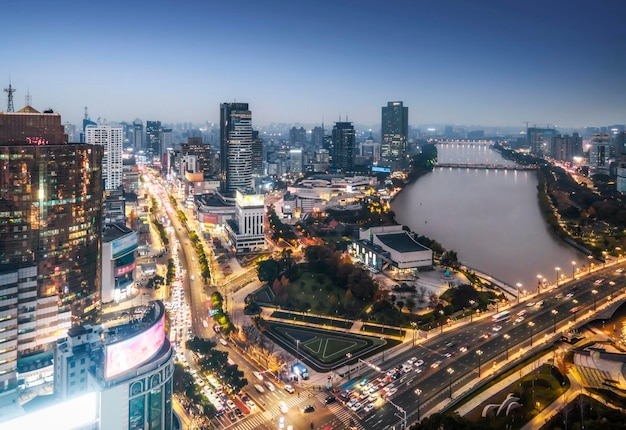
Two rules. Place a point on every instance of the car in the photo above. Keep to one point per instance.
(363, 382)
(574, 309)
(530, 304)
(288, 388)
(389, 387)
(620, 270)
(281, 422)
(448, 354)
(238, 412)
(329, 399)
(569, 295)
(436, 364)
(518, 320)
(450, 344)
(283, 407)
(231, 416)
(223, 341)
(463, 349)
(485, 336)
(308, 408)
(259, 388)
(351, 402)
(258, 375)
(599, 281)
(368, 407)
(372, 398)
(270, 386)
(418, 370)
(539, 303)
(356, 406)
(411, 361)
(230, 404)
(559, 296)
(392, 392)
(419, 363)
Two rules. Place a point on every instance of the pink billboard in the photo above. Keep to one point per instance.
(130, 353)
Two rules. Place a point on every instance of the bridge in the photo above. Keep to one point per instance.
(487, 166)
(466, 141)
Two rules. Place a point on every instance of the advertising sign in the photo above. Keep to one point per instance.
(133, 352)
(124, 245)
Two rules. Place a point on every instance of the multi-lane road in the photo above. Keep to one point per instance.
(460, 350)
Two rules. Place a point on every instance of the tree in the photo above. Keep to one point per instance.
(268, 270)
(410, 304)
(182, 379)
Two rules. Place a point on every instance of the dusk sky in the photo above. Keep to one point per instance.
(486, 62)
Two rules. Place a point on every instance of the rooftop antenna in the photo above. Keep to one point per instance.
(28, 98)
(10, 92)
(86, 114)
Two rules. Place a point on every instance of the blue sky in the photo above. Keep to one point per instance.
(485, 62)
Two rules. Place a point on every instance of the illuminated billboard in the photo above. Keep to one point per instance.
(133, 352)
(124, 245)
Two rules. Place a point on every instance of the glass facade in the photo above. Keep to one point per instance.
(50, 217)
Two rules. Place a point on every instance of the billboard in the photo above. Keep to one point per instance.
(124, 245)
(131, 353)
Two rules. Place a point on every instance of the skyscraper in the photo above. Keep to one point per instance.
(257, 154)
(235, 146)
(50, 232)
(153, 138)
(343, 139)
(138, 141)
(111, 139)
(395, 132)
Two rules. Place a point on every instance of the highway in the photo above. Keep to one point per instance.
(461, 368)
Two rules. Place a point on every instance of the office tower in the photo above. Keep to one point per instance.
(167, 140)
(297, 137)
(565, 148)
(257, 154)
(599, 153)
(317, 137)
(138, 136)
(51, 193)
(202, 151)
(247, 230)
(111, 139)
(296, 161)
(343, 143)
(394, 134)
(153, 138)
(235, 146)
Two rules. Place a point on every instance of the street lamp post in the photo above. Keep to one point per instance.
(479, 353)
(573, 270)
(414, 325)
(539, 283)
(518, 285)
(554, 314)
(419, 393)
(590, 257)
(297, 350)
(507, 337)
(450, 372)
(531, 325)
(594, 292)
(349, 355)
(557, 269)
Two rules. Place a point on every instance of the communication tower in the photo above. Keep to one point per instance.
(10, 92)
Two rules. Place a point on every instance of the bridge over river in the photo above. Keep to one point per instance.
(487, 166)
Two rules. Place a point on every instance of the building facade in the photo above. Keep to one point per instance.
(394, 134)
(119, 246)
(235, 146)
(111, 139)
(343, 144)
(153, 138)
(247, 231)
(50, 233)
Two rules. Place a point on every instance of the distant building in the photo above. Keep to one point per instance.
(343, 147)
(539, 140)
(138, 136)
(119, 245)
(111, 138)
(257, 154)
(200, 150)
(394, 134)
(600, 153)
(371, 150)
(565, 148)
(247, 231)
(398, 246)
(317, 137)
(153, 138)
(235, 146)
(297, 137)
(296, 161)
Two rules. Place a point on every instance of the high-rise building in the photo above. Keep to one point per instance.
(138, 136)
(297, 137)
(247, 230)
(235, 146)
(317, 137)
(111, 139)
(599, 153)
(153, 138)
(343, 144)
(50, 233)
(202, 151)
(257, 154)
(394, 134)
(296, 161)
(539, 139)
(565, 148)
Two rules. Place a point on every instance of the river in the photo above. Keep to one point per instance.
(491, 218)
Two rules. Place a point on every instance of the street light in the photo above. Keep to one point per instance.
(450, 372)
(531, 325)
(518, 285)
(539, 283)
(557, 275)
(419, 393)
(573, 270)
(554, 314)
(414, 325)
(594, 292)
(297, 349)
(507, 337)
(590, 257)
(479, 353)
(349, 355)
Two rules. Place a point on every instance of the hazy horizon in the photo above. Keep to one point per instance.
(491, 63)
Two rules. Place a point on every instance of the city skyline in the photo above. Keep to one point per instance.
(487, 64)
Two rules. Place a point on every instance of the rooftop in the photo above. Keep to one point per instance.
(401, 242)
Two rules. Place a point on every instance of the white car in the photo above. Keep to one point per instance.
(411, 361)
(419, 363)
(497, 328)
(289, 389)
(283, 407)
(223, 341)
(356, 406)
(258, 375)
(368, 407)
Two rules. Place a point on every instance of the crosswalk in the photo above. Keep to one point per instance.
(347, 418)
